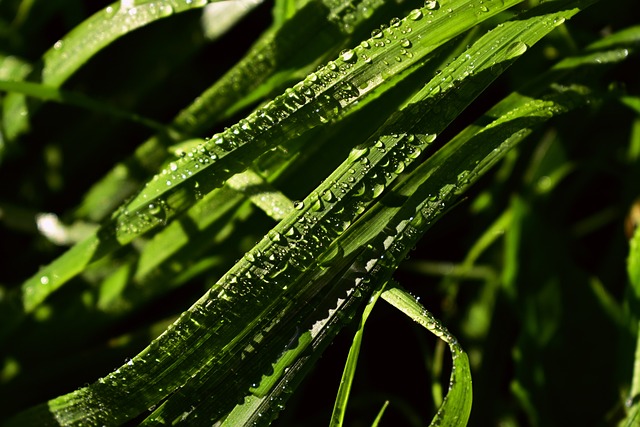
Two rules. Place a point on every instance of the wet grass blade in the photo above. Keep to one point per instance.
(456, 407)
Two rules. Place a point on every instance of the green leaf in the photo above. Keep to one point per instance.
(456, 407)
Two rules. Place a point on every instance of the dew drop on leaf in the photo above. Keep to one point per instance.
(358, 152)
(415, 15)
(166, 10)
(431, 4)
(348, 55)
(516, 49)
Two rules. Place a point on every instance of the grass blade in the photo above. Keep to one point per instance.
(456, 407)
(342, 398)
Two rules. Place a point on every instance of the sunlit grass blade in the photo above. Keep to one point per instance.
(376, 422)
(254, 306)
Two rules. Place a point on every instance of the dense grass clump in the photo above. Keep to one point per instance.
(200, 199)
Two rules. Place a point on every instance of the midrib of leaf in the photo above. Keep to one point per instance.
(321, 97)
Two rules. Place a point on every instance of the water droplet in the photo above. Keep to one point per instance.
(58, 45)
(516, 49)
(431, 5)
(328, 196)
(415, 15)
(298, 205)
(275, 237)
(405, 43)
(317, 204)
(376, 34)
(365, 44)
(484, 8)
(348, 55)
(44, 280)
(358, 152)
(166, 10)
(426, 138)
(378, 188)
(395, 22)
(329, 255)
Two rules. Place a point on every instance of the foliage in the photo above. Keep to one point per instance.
(200, 196)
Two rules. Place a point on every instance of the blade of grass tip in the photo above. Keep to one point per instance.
(342, 398)
(68, 54)
(279, 54)
(178, 187)
(47, 93)
(376, 422)
(456, 407)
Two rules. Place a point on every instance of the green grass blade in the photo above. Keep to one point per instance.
(633, 270)
(376, 422)
(342, 398)
(456, 407)
(262, 294)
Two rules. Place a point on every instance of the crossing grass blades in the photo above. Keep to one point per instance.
(191, 219)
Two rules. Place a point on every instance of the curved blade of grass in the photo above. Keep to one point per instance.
(426, 212)
(72, 51)
(456, 407)
(285, 258)
(323, 96)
